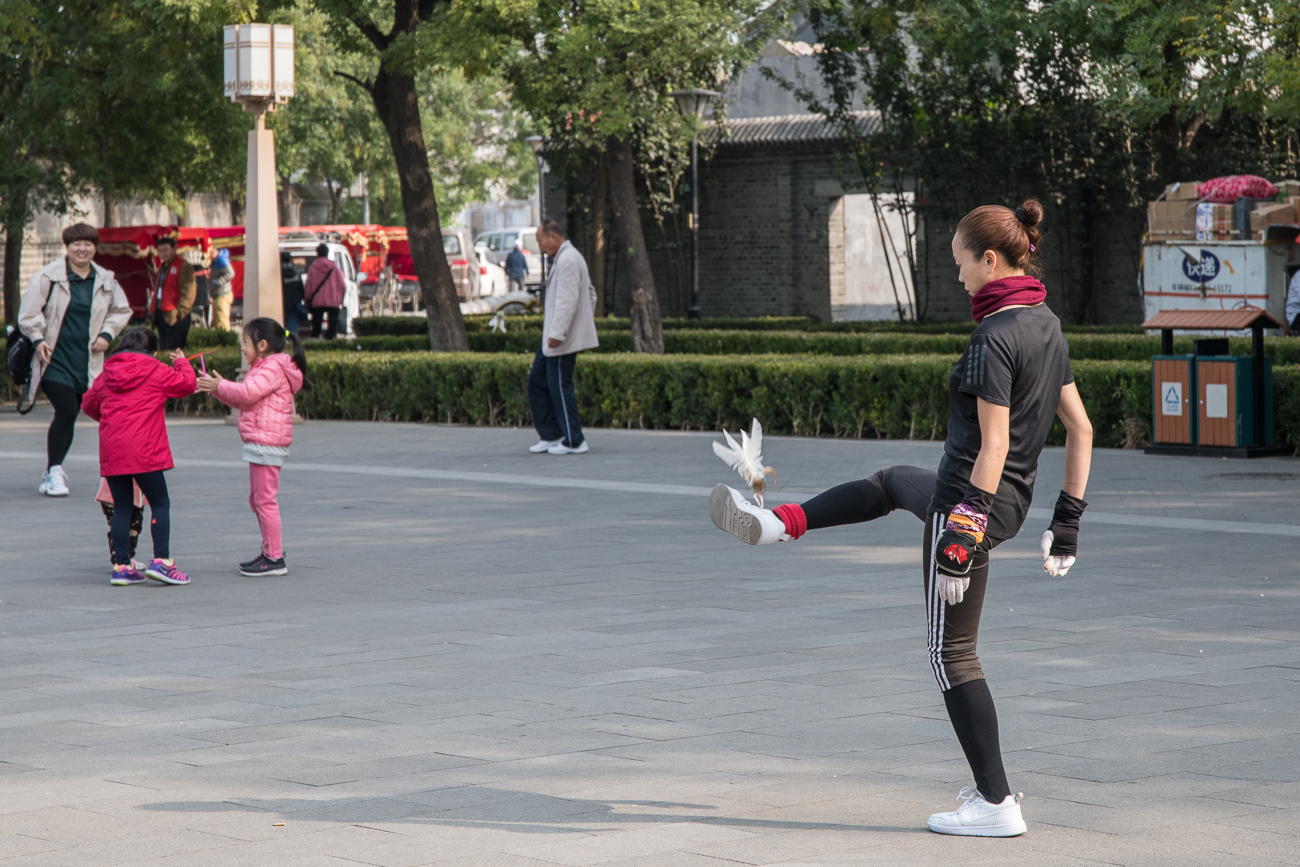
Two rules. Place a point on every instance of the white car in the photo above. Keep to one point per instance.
(494, 245)
(302, 247)
(491, 279)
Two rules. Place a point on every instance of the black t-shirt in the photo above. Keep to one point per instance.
(1018, 359)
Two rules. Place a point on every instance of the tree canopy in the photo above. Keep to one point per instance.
(1093, 107)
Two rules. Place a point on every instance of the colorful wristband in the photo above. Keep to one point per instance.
(964, 519)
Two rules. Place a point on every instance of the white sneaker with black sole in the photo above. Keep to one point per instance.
(541, 446)
(561, 449)
(54, 483)
(978, 818)
(732, 513)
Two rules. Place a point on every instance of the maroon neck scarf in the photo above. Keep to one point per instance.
(997, 294)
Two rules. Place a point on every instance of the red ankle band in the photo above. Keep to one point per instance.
(791, 514)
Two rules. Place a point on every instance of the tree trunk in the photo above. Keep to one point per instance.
(110, 211)
(399, 110)
(647, 323)
(598, 232)
(336, 193)
(13, 290)
(284, 201)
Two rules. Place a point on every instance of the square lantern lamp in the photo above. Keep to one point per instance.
(258, 64)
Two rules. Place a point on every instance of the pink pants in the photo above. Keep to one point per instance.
(263, 486)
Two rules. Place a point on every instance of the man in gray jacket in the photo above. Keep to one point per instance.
(568, 328)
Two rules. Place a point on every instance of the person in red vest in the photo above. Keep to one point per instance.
(173, 297)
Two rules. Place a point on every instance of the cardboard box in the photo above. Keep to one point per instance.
(1287, 189)
(1172, 221)
(1294, 201)
(1215, 222)
(1182, 191)
(1268, 215)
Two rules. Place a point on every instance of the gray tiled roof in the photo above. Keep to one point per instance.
(787, 129)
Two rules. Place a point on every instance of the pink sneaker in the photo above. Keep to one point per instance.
(124, 576)
(166, 572)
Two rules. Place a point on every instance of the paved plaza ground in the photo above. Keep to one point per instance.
(483, 657)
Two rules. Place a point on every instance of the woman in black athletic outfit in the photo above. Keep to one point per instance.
(1009, 384)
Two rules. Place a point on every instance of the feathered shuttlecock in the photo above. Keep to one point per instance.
(498, 323)
(747, 459)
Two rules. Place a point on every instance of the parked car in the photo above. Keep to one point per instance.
(494, 245)
(464, 263)
(302, 247)
(492, 280)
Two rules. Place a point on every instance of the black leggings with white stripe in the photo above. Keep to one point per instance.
(952, 631)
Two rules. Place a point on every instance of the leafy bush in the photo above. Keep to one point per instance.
(886, 397)
(202, 338)
(890, 396)
(1112, 347)
(406, 325)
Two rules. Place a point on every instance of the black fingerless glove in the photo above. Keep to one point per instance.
(1065, 525)
(954, 550)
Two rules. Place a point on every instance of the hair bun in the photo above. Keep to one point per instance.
(1030, 213)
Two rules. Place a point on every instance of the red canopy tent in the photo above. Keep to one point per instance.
(131, 252)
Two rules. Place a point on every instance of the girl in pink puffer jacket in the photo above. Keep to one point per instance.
(265, 403)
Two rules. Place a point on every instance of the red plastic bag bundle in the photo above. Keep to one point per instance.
(1225, 191)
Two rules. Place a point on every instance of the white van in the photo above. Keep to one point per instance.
(495, 244)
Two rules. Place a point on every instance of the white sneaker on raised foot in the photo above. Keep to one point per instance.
(541, 446)
(732, 513)
(54, 483)
(561, 449)
(978, 818)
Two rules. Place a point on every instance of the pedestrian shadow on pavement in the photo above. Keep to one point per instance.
(507, 810)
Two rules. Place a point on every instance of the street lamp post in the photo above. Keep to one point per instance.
(259, 76)
(693, 103)
(538, 144)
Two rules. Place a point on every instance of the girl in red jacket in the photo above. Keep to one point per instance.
(265, 402)
(128, 400)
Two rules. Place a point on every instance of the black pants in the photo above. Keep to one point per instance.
(553, 400)
(137, 526)
(66, 401)
(907, 488)
(172, 336)
(952, 630)
(318, 315)
(154, 487)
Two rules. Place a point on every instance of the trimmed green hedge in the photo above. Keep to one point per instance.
(409, 325)
(898, 397)
(1112, 347)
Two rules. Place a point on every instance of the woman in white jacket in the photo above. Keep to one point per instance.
(71, 311)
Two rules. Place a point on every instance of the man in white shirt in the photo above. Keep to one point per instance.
(1293, 304)
(568, 328)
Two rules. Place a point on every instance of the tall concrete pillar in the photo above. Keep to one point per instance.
(262, 294)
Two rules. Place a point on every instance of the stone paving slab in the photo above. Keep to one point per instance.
(484, 657)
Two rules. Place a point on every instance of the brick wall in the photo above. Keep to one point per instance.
(768, 245)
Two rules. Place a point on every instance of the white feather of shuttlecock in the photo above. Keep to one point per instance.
(745, 457)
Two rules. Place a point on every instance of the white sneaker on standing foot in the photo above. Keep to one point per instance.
(543, 446)
(561, 449)
(54, 483)
(978, 818)
(732, 513)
